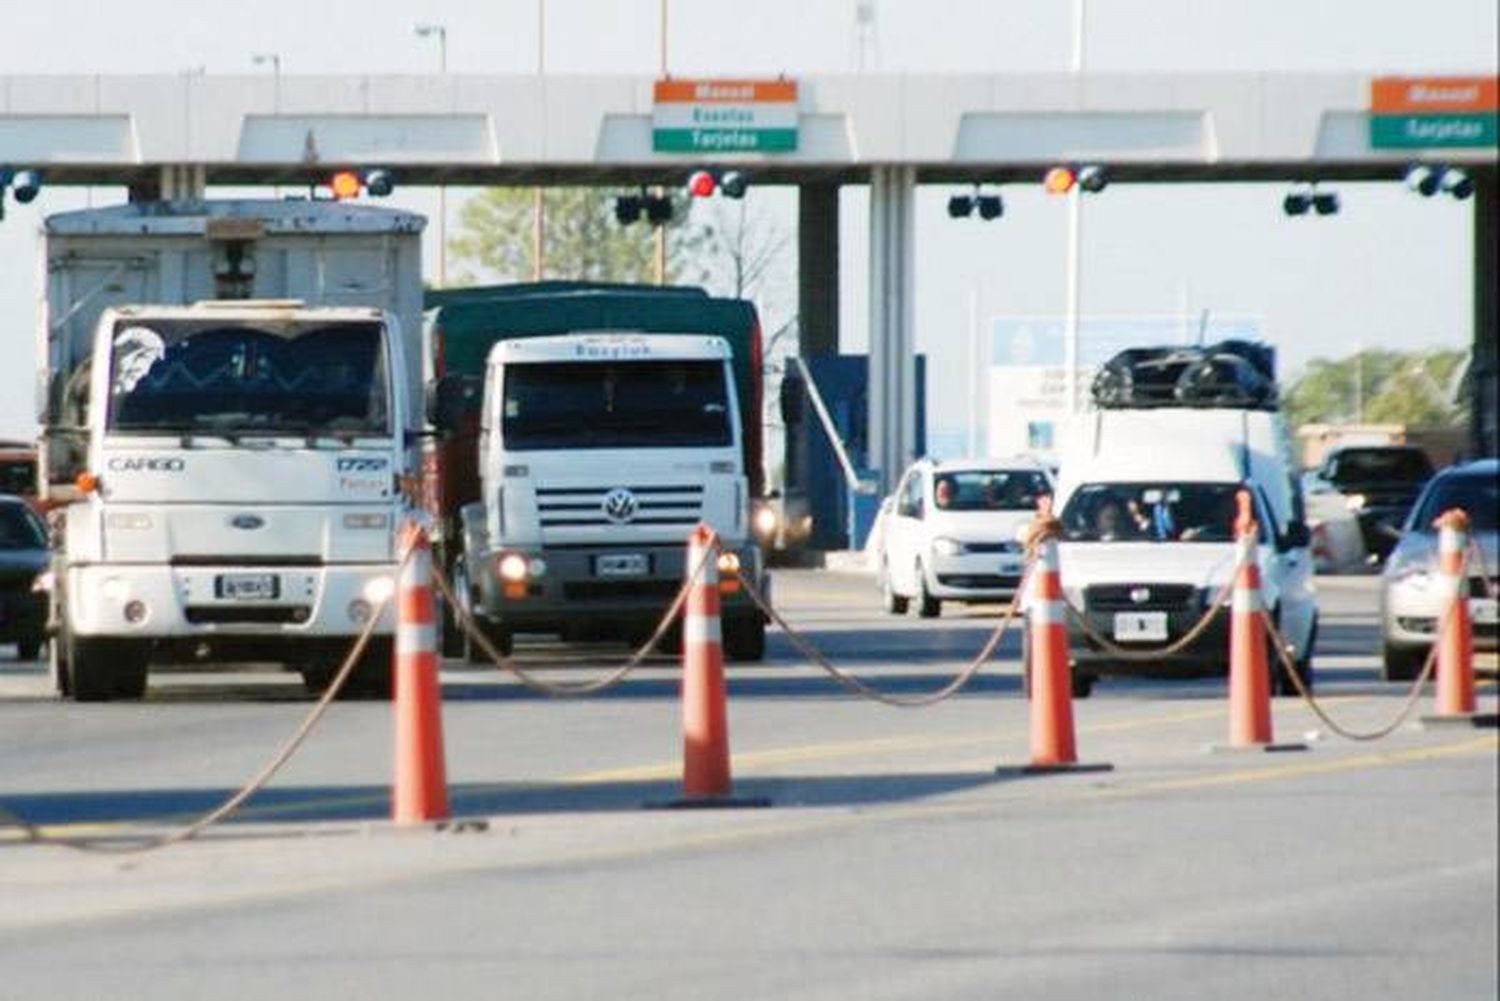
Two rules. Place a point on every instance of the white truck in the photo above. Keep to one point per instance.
(228, 432)
(599, 452)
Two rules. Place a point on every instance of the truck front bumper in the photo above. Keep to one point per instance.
(577, 590)
(167, 602)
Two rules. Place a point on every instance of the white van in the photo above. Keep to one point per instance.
(1147, 502)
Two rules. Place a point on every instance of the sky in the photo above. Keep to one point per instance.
(1391, 270)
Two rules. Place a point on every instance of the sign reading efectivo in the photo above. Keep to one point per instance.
(1443, 111)
(724, 116)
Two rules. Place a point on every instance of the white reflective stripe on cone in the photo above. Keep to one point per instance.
(416, 637)
(1247, 599)
(701, 629)
(1048, 613)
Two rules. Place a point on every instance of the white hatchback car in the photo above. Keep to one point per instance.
(949, 532)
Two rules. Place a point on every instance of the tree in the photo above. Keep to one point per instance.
(582, 240)
(1386, 387)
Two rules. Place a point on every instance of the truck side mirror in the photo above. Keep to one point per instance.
(450, 398)
(791, 399)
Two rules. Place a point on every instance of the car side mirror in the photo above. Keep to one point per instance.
(1296, 536)
(451, 398)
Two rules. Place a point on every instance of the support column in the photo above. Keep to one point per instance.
(893, 398)
(1484, 434)
(818, 269)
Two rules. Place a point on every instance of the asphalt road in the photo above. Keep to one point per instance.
(894, 862)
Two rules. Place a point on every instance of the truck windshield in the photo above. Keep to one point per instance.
(632, 404)
(208, 375)
(1151, 512)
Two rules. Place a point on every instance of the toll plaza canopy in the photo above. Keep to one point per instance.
(170, 136)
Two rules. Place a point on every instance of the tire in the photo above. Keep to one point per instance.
(893, 603)
(27, 650)
(57, 666)
(1399, 663)
(500, 638)
(928, 607)
(103, 669)
(369, 679)
(1082, 685)
(745, 638)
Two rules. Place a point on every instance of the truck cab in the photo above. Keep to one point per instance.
(240, 496)
(599, 452)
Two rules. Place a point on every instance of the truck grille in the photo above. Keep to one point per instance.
(580, 507)
(613, 590)
(1158, 597)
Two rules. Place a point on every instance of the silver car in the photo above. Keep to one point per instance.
(1412, 591)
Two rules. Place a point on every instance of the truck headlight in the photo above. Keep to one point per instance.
(765, 521)
(945, 546)
(378, 589)
(512, 567)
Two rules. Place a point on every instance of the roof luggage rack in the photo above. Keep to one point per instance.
(1231, 374)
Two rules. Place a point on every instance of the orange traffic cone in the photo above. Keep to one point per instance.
(1455, 656)
(705, 718)
(1249, 668)
(1053, 744)
(420, 793)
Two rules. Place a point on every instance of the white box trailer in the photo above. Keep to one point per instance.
(322, 253)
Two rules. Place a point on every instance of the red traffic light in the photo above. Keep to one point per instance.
(702, 184)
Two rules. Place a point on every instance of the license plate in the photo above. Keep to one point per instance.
(247, 586)
(1482, 611)
(622, 565)
(1140, 627)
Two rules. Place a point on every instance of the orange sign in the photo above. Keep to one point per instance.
(726, 91)
(1433, 95)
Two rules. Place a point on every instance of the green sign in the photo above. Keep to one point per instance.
(1436, 131)
(713, 140)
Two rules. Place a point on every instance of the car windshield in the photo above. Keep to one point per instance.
(1151, 512)
(1477, 495)
(631, 404)
(207, 375)
(1380, 465)
(20, 529)
(988, 489)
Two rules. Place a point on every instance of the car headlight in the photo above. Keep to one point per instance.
(1355, 502)
(945, 546)
(765, 521)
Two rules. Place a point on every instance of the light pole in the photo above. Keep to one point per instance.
(274, 59)
(538, 208)
(441, 33)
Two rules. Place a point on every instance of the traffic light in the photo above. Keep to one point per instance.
(962, 206)
(656, 208)
(376, 182)
(1090, 178)
(706, 183)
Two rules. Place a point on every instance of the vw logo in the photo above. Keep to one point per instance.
(1140, 595)
(620, 505)
(247, 521)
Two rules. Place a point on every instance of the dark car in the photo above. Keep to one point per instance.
(23, 557)
(1380, 483)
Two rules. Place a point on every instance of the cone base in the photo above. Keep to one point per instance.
(712, 803)
(1478, 721)
(1271, 748)
(1061, 768)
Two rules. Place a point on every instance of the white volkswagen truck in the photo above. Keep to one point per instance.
(599, 453)
(227, 436)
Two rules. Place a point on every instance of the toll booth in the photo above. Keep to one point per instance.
(815, 479)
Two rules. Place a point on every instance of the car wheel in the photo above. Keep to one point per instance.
(928, 607)
(500, 638)
(892, 602)
(1399, 663)
(104, 669)
(745, 638)
(1082, 685)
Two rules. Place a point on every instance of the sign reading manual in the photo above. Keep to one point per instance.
(724, 116)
